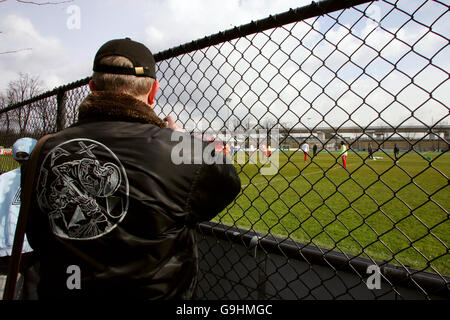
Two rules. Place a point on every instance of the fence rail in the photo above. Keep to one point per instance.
(372, 74)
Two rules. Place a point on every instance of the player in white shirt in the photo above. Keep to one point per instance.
(305, 149)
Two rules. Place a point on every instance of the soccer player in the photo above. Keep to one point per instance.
(9, 210)
(396, 151)
(305, 149)
(344, 154)
(370, 151)
(264, 151)
(314, 150)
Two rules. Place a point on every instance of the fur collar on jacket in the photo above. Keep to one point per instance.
(108, 105)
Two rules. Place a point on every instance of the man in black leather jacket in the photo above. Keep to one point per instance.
(113, 213)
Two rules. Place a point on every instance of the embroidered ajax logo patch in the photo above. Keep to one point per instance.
(84, 189)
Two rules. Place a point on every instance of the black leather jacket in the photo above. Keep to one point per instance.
(111, 203)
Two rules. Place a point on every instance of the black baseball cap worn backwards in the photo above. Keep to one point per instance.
(141, 57)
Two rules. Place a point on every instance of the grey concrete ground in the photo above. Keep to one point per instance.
(2, 285)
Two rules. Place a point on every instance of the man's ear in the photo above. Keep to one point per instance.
(152, 93)
(91, 85)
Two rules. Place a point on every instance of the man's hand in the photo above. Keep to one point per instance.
(172, 125)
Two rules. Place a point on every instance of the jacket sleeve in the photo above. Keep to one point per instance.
(213, 188)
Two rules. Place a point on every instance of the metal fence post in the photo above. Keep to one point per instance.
(61, 109)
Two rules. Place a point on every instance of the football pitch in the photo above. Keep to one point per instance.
(396, 213)
(7, 163)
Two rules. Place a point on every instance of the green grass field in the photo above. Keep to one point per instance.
(376, 209)
(7, 163)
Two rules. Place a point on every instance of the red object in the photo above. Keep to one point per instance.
(344, 161)
(226, 149)
(153, 92)
(306, 156)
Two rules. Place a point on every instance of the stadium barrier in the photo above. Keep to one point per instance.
(367, 73)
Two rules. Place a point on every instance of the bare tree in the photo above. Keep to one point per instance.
(3, 103)
(20, 90)
(4, 117)
(44, 116)
(247, 124)
(268, 124)
(237, 124)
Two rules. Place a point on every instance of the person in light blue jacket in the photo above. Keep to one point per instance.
(10, 206)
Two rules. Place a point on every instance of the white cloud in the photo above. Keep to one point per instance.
(45, 56)
(175, 22)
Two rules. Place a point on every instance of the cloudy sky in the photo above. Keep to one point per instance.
(52, 45)
(387, 77)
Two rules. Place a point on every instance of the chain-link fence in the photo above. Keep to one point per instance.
(370, 77)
